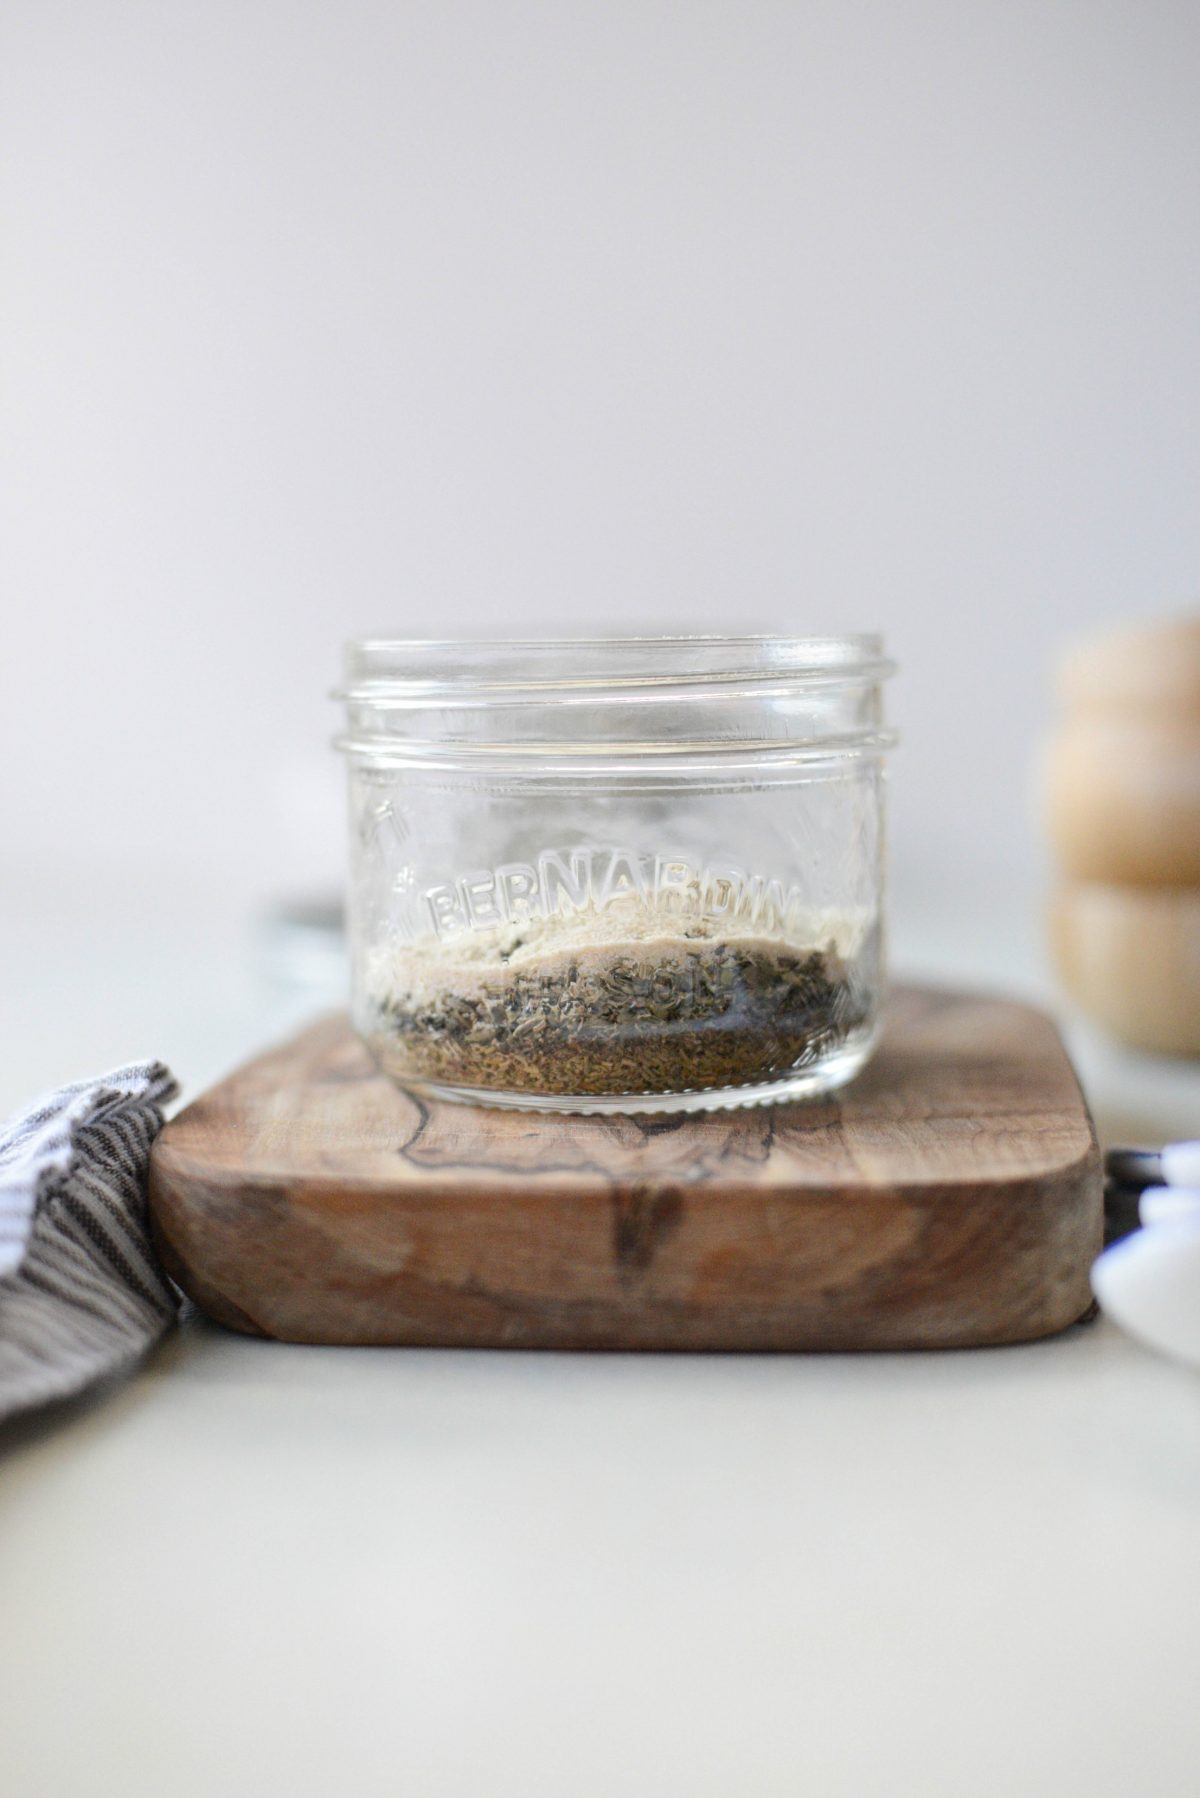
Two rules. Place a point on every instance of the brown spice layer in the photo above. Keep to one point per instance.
(723, 1016)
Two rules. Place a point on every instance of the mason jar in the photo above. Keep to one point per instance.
(617, 875)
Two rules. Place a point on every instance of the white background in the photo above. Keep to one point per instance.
(512, 317)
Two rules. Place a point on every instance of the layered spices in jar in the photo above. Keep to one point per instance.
(618, 876)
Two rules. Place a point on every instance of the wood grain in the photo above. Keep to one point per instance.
(951, 1196)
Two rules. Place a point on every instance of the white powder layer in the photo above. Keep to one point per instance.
(628, 929)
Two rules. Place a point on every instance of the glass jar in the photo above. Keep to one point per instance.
(617, 875)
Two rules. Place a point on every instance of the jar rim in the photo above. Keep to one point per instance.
(426, 670)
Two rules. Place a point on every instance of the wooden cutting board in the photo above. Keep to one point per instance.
(951, 1196)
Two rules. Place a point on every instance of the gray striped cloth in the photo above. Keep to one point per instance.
(82, 1295)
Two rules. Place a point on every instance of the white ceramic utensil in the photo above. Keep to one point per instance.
(1149, 1283)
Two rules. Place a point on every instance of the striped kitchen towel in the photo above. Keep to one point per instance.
(82, 1295)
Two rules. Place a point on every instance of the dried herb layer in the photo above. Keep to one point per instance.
(726, 1013)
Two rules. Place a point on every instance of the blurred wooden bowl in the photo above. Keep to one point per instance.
(1122, 799)
(1130, 958)
(1149, 670)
